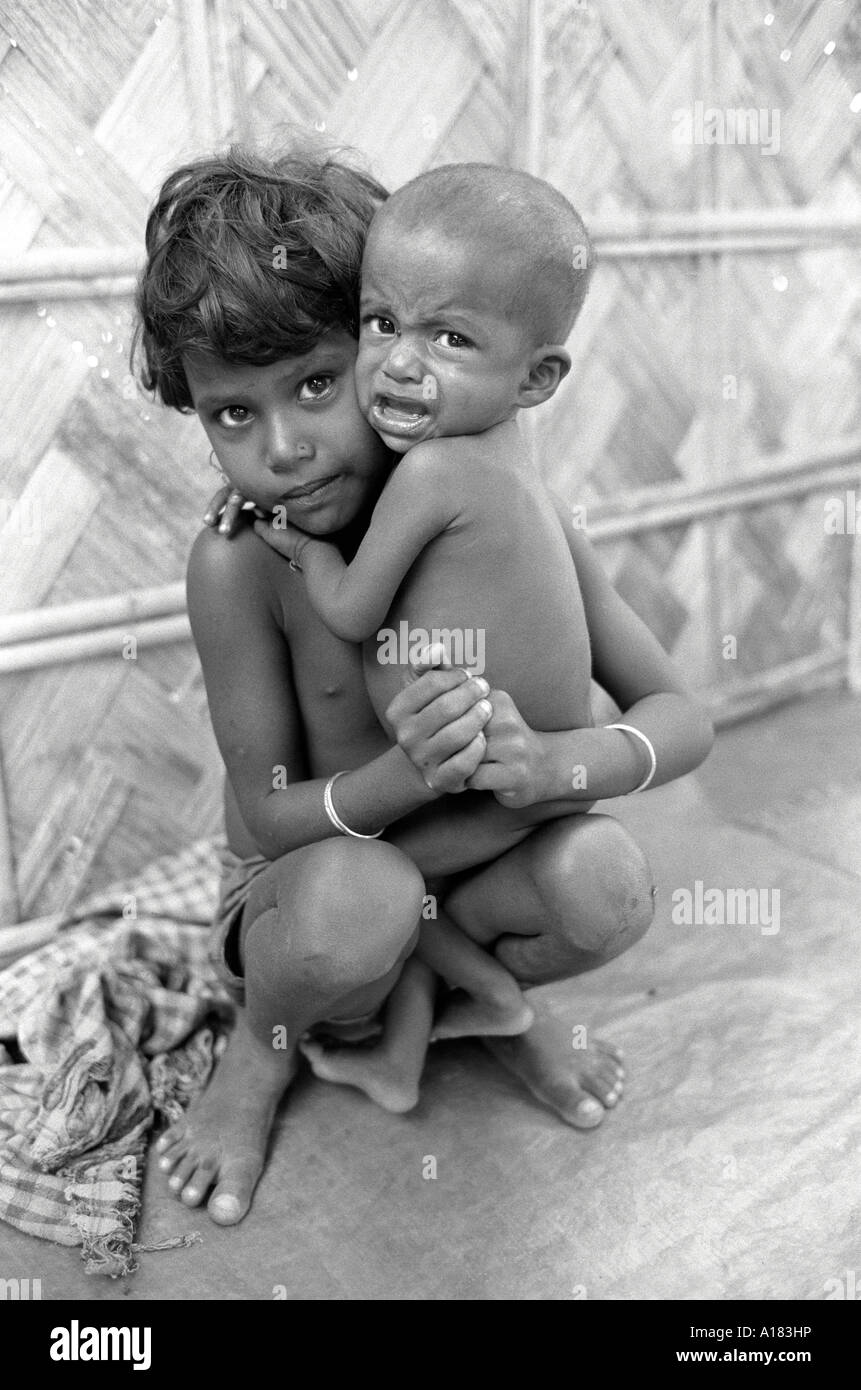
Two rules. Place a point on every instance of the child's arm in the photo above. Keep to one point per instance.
(523, 767)
(233, 607)
(353, 599)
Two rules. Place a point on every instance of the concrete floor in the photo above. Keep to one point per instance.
(728, 1171)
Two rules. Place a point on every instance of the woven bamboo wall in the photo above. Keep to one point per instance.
(110, 760)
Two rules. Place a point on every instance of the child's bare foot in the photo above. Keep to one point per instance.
(374, 1070)
(221, 1142)
(579, 1083)
(467, 1016)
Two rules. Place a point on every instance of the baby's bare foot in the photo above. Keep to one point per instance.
(465, 1016)
(580, 1083)
(372, 1069)
(221, 1142)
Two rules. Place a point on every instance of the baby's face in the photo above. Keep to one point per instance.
(437, 354)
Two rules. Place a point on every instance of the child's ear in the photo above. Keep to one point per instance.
(547, 367)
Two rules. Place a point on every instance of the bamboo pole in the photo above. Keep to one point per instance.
(89, 272)
(10, 909)
(228, 30)
(780, 476)
(791, 463)
(89, 614)
(59, 262)
(767, 689)
(746, 244)
(108, 641)
(534, 88)
(24, 937)
(707, 221)
(854, 618)
(27, 291)
(81, 262)
(710, 503)
(195, 18)
(707, 339)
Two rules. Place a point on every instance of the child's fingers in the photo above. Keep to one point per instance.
(443, 728)
(452, 775)
(424, 690)
(230, 515)
(216, 505)
(455, 735)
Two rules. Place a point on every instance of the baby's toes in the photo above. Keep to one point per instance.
(610, 1050)
(604, 1082)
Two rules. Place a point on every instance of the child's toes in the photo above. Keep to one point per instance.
(173, 1156)
(169, 1140)
(199, 1183)
(182, 1172)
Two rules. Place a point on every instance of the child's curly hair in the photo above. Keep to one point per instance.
(250, 258)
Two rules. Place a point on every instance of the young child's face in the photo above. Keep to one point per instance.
(291, 433)
(437, 354)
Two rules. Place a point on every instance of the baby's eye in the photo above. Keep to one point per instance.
(232, 416)
(316, 388)
(455, 340)
(377, 323)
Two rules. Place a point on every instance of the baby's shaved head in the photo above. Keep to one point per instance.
(528, 230)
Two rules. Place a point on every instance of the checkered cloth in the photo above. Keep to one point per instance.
(108, 1025)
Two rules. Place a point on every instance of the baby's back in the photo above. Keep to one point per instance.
(497, 587)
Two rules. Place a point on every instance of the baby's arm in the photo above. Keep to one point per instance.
(353, 599)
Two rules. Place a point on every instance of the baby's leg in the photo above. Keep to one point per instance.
(389, 1072)
(494, 1004)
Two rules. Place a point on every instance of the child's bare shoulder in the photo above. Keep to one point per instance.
(234, 579)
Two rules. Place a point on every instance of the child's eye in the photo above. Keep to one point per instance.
(315, 388)
(233, 415)
(376, 323)
(455, 340)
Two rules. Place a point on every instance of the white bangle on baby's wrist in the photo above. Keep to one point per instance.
(638, 733)
(336, 819)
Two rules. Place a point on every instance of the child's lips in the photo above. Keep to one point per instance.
(399, 415)
(311, 493)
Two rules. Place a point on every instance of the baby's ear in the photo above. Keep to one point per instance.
(547, 367)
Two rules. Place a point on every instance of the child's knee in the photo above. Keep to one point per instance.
(349, 914)
(598, 885)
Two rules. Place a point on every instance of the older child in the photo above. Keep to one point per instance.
(317, 924)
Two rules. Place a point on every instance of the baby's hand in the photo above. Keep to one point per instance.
(438, 718)
(511, 766)
(288, 540)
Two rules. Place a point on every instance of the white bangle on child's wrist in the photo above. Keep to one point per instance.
(638, 733)
(336, 819)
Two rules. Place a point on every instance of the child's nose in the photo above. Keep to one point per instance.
(286, 448)
(403, 362)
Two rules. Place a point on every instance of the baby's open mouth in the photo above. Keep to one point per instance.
(399, 415)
